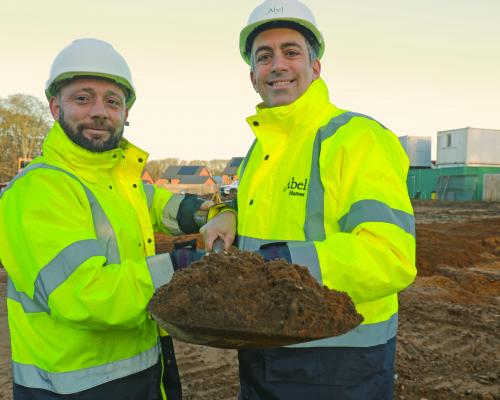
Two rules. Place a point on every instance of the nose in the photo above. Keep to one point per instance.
(279, 64)
(98, 109)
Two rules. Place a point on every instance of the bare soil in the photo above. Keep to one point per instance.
(448, 340)
(237, 294)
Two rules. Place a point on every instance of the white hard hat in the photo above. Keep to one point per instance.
(90, 57)
(292, 11)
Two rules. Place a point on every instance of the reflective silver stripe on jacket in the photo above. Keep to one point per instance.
(160, 268)
(304, 253)
(314, 227)
(69, 258)
(170, 212)
(103, 229)
(54, 274)
(376, 211)
(82, 379)
(365, 335)
(150, 194)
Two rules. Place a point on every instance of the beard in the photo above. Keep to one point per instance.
(94, 145)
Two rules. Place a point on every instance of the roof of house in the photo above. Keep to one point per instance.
(195, 179)
(232, 166)
(180, 171)
(187, 174)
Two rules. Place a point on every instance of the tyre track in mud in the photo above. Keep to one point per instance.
(447, 351)
(206, 372)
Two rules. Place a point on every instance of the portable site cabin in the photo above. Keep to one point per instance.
(468, 147)
(468, 160)
(418, 149)
(421, 179)
(467, 166)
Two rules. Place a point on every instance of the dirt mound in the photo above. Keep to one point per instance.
(448, 343)
(239, 292)
(458, 244)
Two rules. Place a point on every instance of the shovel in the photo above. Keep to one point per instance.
(228, 339)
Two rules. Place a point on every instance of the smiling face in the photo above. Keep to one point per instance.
(281, 68)
(92, 112)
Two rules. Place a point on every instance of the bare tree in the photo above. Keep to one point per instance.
(24, 122)
(156, 168)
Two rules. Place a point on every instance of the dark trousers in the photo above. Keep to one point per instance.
(319, 373)
(143, 385)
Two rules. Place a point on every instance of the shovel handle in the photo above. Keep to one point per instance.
(218, 245)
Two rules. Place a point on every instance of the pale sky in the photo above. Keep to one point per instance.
(416, 66)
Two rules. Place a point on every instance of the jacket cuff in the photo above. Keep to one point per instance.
(170, 212)
(219, 209)
(160, 268)
(186, 214)
(305, 254)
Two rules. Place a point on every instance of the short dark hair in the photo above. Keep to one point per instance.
(308, 35)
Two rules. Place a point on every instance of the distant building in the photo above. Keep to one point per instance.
(146, 177)
(229, 174)
(418, 149)
(468, 147)
(186, 174)
(188, 179)
(467, 167)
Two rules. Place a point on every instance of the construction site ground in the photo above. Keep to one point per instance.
(449, 322)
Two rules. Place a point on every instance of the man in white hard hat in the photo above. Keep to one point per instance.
(77, 241)
(324, 188)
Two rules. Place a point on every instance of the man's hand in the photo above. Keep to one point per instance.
(223, 226)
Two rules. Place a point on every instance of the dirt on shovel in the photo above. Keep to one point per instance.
(236, 300)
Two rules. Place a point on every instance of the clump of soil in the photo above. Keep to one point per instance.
(238, 291)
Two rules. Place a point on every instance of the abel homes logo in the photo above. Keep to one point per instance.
(296, 188)
(275, 10)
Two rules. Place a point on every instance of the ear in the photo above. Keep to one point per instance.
(54, 107)
(254, 82)
(316, 67)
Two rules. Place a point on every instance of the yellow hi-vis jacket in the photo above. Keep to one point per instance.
(76, 239)
(332, 184)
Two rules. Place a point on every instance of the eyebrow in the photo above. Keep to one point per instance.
(282, 46)
(92, 91)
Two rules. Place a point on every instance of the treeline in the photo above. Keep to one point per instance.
(24, 122)
(156, 168)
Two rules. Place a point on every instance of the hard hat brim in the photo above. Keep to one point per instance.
(247, 31)
(51, 89)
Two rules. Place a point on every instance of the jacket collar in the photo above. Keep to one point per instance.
(302, 112)
(58, 148)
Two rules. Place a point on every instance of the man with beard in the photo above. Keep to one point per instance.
(324, 188)
(77, 241)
